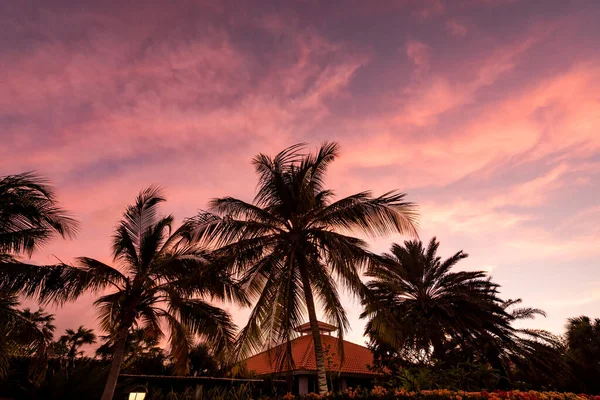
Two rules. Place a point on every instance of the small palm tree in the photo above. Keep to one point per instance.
(535, 353)
(583, 339)
(75, 339)
(418, 303)
(293, 241)
(583, 346)
(139, 345)
(42, 322)
(161, 277)
(18, 334)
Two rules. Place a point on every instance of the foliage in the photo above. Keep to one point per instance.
(24, 333)
(293, 245)
(204, 362)
(422, 308)
(436, 334)
(161, 276)
(30, 214)
(85, 380)
(583, 348)
(240, 392)
(422, 314)
(42, 323)
(462, 376)
(73, 340)
(379, 392)
(29, 217)
(143, 355)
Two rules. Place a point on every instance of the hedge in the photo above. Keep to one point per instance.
(381, 393)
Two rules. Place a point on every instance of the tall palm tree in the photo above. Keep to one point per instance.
(160, 277)
(29, 217)
(418, 303)
(293, 241)
(75, 339)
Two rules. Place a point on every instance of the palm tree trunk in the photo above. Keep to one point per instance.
(314, 328)
(115, 368)
(72, 354)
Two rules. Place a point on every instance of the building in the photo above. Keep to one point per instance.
(352, 372)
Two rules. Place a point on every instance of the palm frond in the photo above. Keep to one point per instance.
(180, 343)
(373, 216)
(211, 323)
(30, 215)
(50, 283)
(138, 217)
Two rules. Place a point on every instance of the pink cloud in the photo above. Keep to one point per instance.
(496, 139)
(418, 54)
(456, 28)
(430, 8)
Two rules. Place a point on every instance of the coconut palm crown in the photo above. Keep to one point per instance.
(418, 304)
(75, 339)
(294, 242)
(160, 278)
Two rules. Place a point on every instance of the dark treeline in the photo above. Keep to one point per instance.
(285, 254)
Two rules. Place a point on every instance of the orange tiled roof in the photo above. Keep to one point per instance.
(356, 357)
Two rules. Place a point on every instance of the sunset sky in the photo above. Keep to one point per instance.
(486, 113)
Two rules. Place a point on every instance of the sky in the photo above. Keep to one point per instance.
(486, 113)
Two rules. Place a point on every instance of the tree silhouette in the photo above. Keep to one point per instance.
(29, 217)
(418, 304)
(293, 242)
(75, 339)
(161, 276)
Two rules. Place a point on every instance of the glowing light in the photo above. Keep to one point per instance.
(137, 395)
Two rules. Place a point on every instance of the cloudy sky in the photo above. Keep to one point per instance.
(486, 113)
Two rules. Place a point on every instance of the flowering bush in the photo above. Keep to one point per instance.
(381, 393)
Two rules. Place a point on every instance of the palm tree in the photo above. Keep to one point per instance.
(75, 339)
(139, 344)
(29, 217)
(160, 277)
(583, 345)
(418, 304)
(25, 333)
(534, 353)
(583, 339)
(43, 322)
(293, 240)
(14, 331)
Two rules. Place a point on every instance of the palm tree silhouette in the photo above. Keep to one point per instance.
(417, 303)
(161, 276)
(293, 240)
(43, 322)
(75, 339)
(29, 217)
